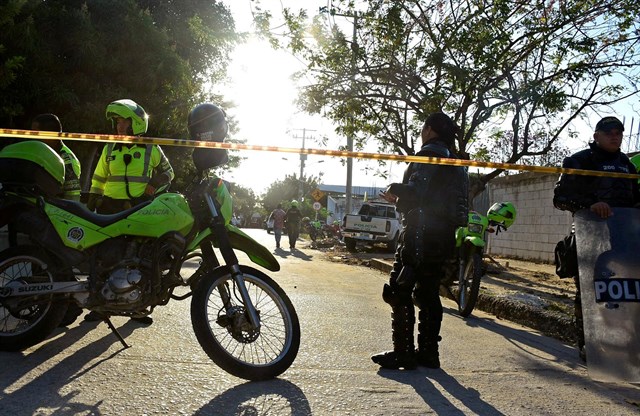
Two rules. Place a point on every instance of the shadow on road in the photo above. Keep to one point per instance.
(280, 252)
(273, 397)
(20, 400)
(433, 388)
(561, 352)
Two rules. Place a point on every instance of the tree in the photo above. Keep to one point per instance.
(501, 68)
(72, 57)
(287, 190)
(245, 201)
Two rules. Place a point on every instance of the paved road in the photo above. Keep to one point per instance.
(489, 366)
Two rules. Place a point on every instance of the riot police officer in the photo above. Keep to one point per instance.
(598, 194)
(433, 200)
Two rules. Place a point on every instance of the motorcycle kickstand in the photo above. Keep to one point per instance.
(107, 320)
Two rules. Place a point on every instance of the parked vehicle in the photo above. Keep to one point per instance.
(470, 243)
(132, 260)
(268, 225)
(375, 222)
(332, 230)
(313, 228)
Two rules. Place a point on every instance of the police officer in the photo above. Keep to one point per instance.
(598, 194)
(293, 217)
(433, 202)
(71, 186)
(127, 174)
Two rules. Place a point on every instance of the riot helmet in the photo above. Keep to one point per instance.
(129, 109)
(46, 122)
(502, 213)
(208, 122)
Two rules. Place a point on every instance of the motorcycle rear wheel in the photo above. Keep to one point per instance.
(27, 320)
(469, 277)
(224, 333)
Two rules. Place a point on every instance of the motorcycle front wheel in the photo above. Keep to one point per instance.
(221, 324)
(26, 320)
(469, 276)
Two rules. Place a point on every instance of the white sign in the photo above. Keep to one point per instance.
(317, 206)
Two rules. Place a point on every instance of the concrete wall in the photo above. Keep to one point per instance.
(538, 226)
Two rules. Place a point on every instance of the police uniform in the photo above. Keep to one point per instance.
(433, 201)
(71, 186)
(575, 192)
(123, 173)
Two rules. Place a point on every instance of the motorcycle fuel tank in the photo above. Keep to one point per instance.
(167, 212)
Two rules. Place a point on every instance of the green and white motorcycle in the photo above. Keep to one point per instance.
(464, 288)
(128, 263)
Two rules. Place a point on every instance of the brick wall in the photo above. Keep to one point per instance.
(538, 226)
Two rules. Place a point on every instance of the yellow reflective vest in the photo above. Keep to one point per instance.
(114, 178)
(71, 186)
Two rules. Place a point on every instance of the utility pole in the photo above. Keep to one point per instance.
(303, 158)
(354, 50)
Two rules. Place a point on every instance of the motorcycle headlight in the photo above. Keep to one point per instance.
(475, 228)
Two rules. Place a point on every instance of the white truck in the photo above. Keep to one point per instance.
(376, 222)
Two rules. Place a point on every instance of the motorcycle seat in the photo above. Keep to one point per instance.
(102, 220)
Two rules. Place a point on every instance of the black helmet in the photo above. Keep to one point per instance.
(208, 122)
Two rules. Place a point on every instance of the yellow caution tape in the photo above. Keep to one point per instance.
(32, 134)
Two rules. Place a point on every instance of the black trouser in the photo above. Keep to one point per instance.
(423, 291)
(113, 206)
(293, 230)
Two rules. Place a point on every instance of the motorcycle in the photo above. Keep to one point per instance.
(332, 230)
(128, 263)
(470, 244)
(313, 228)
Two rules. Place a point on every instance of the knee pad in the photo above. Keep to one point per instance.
(390, 296)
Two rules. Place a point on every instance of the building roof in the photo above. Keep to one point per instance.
(371, 191)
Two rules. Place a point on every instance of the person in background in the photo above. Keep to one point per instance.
(598, 194)
(278, 216)
(433, 201)
(127, 174)
(71, 186)
(293, 218)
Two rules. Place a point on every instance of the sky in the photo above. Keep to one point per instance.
(264, 94)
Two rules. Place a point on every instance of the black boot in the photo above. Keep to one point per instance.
(403, 319)
(427, 353)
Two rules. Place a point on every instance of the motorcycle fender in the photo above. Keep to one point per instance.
(475, 240)
(241, 241)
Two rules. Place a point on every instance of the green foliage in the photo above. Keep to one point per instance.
(245, 201)
(287, 190)
(529, 68)
(73, 57)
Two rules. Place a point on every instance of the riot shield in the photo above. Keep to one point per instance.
(609, 265)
